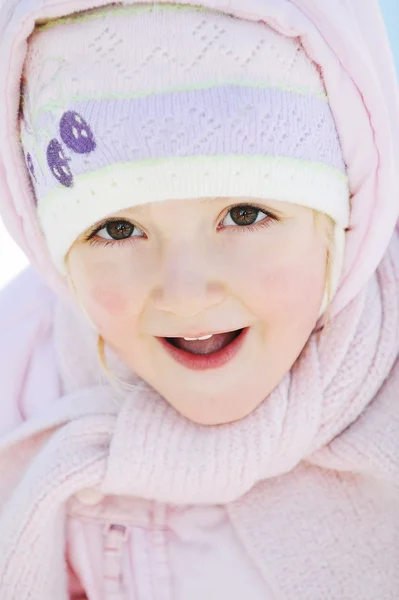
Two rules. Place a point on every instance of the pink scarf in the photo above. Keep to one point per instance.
(136, 444)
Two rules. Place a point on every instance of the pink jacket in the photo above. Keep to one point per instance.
(106, 494)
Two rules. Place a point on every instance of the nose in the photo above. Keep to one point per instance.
(187, 285)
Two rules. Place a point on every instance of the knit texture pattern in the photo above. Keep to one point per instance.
(115, 114)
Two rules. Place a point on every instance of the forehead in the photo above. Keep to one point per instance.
(180, 203)
(208, 204)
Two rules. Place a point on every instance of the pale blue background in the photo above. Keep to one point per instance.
(390, 8)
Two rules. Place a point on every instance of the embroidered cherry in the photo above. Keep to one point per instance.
(76, 133)
(58, 163)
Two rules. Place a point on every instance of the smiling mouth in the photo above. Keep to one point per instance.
(206, 345)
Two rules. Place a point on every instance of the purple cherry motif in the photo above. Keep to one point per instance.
(31, 167)
(58, 163)
(76, 133)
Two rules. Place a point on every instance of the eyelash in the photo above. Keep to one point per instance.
(266, 222)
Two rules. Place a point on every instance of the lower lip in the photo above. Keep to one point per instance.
(201, 362)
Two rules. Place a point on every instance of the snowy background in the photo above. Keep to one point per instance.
(12, 259)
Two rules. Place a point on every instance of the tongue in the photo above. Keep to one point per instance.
(215, 343)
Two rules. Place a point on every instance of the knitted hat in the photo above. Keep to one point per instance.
(135, 104)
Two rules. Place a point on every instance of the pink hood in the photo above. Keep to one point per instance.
(347, 39)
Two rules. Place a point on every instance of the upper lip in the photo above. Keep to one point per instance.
(201, 333)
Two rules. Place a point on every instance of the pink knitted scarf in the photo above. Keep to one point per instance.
(136, 444)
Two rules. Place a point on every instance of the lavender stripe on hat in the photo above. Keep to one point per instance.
(218, 121)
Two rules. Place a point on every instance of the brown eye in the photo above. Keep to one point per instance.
(118, 230)
(244, 215)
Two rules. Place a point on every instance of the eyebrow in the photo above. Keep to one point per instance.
(216, 198)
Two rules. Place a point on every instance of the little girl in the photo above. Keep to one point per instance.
(199, 377)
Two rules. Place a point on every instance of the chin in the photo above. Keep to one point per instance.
(213, 412)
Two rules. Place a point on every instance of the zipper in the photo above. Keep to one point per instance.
(115, 538)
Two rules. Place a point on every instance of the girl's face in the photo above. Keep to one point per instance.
(191, 268)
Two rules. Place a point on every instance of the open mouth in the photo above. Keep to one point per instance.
(207, 352)
(206, 345)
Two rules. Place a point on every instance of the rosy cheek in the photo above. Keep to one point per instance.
(292, 290)
(106, 303)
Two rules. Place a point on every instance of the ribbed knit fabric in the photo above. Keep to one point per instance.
(138, 104)
(135, 444)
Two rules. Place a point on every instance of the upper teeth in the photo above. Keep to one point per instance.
(205, 337)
